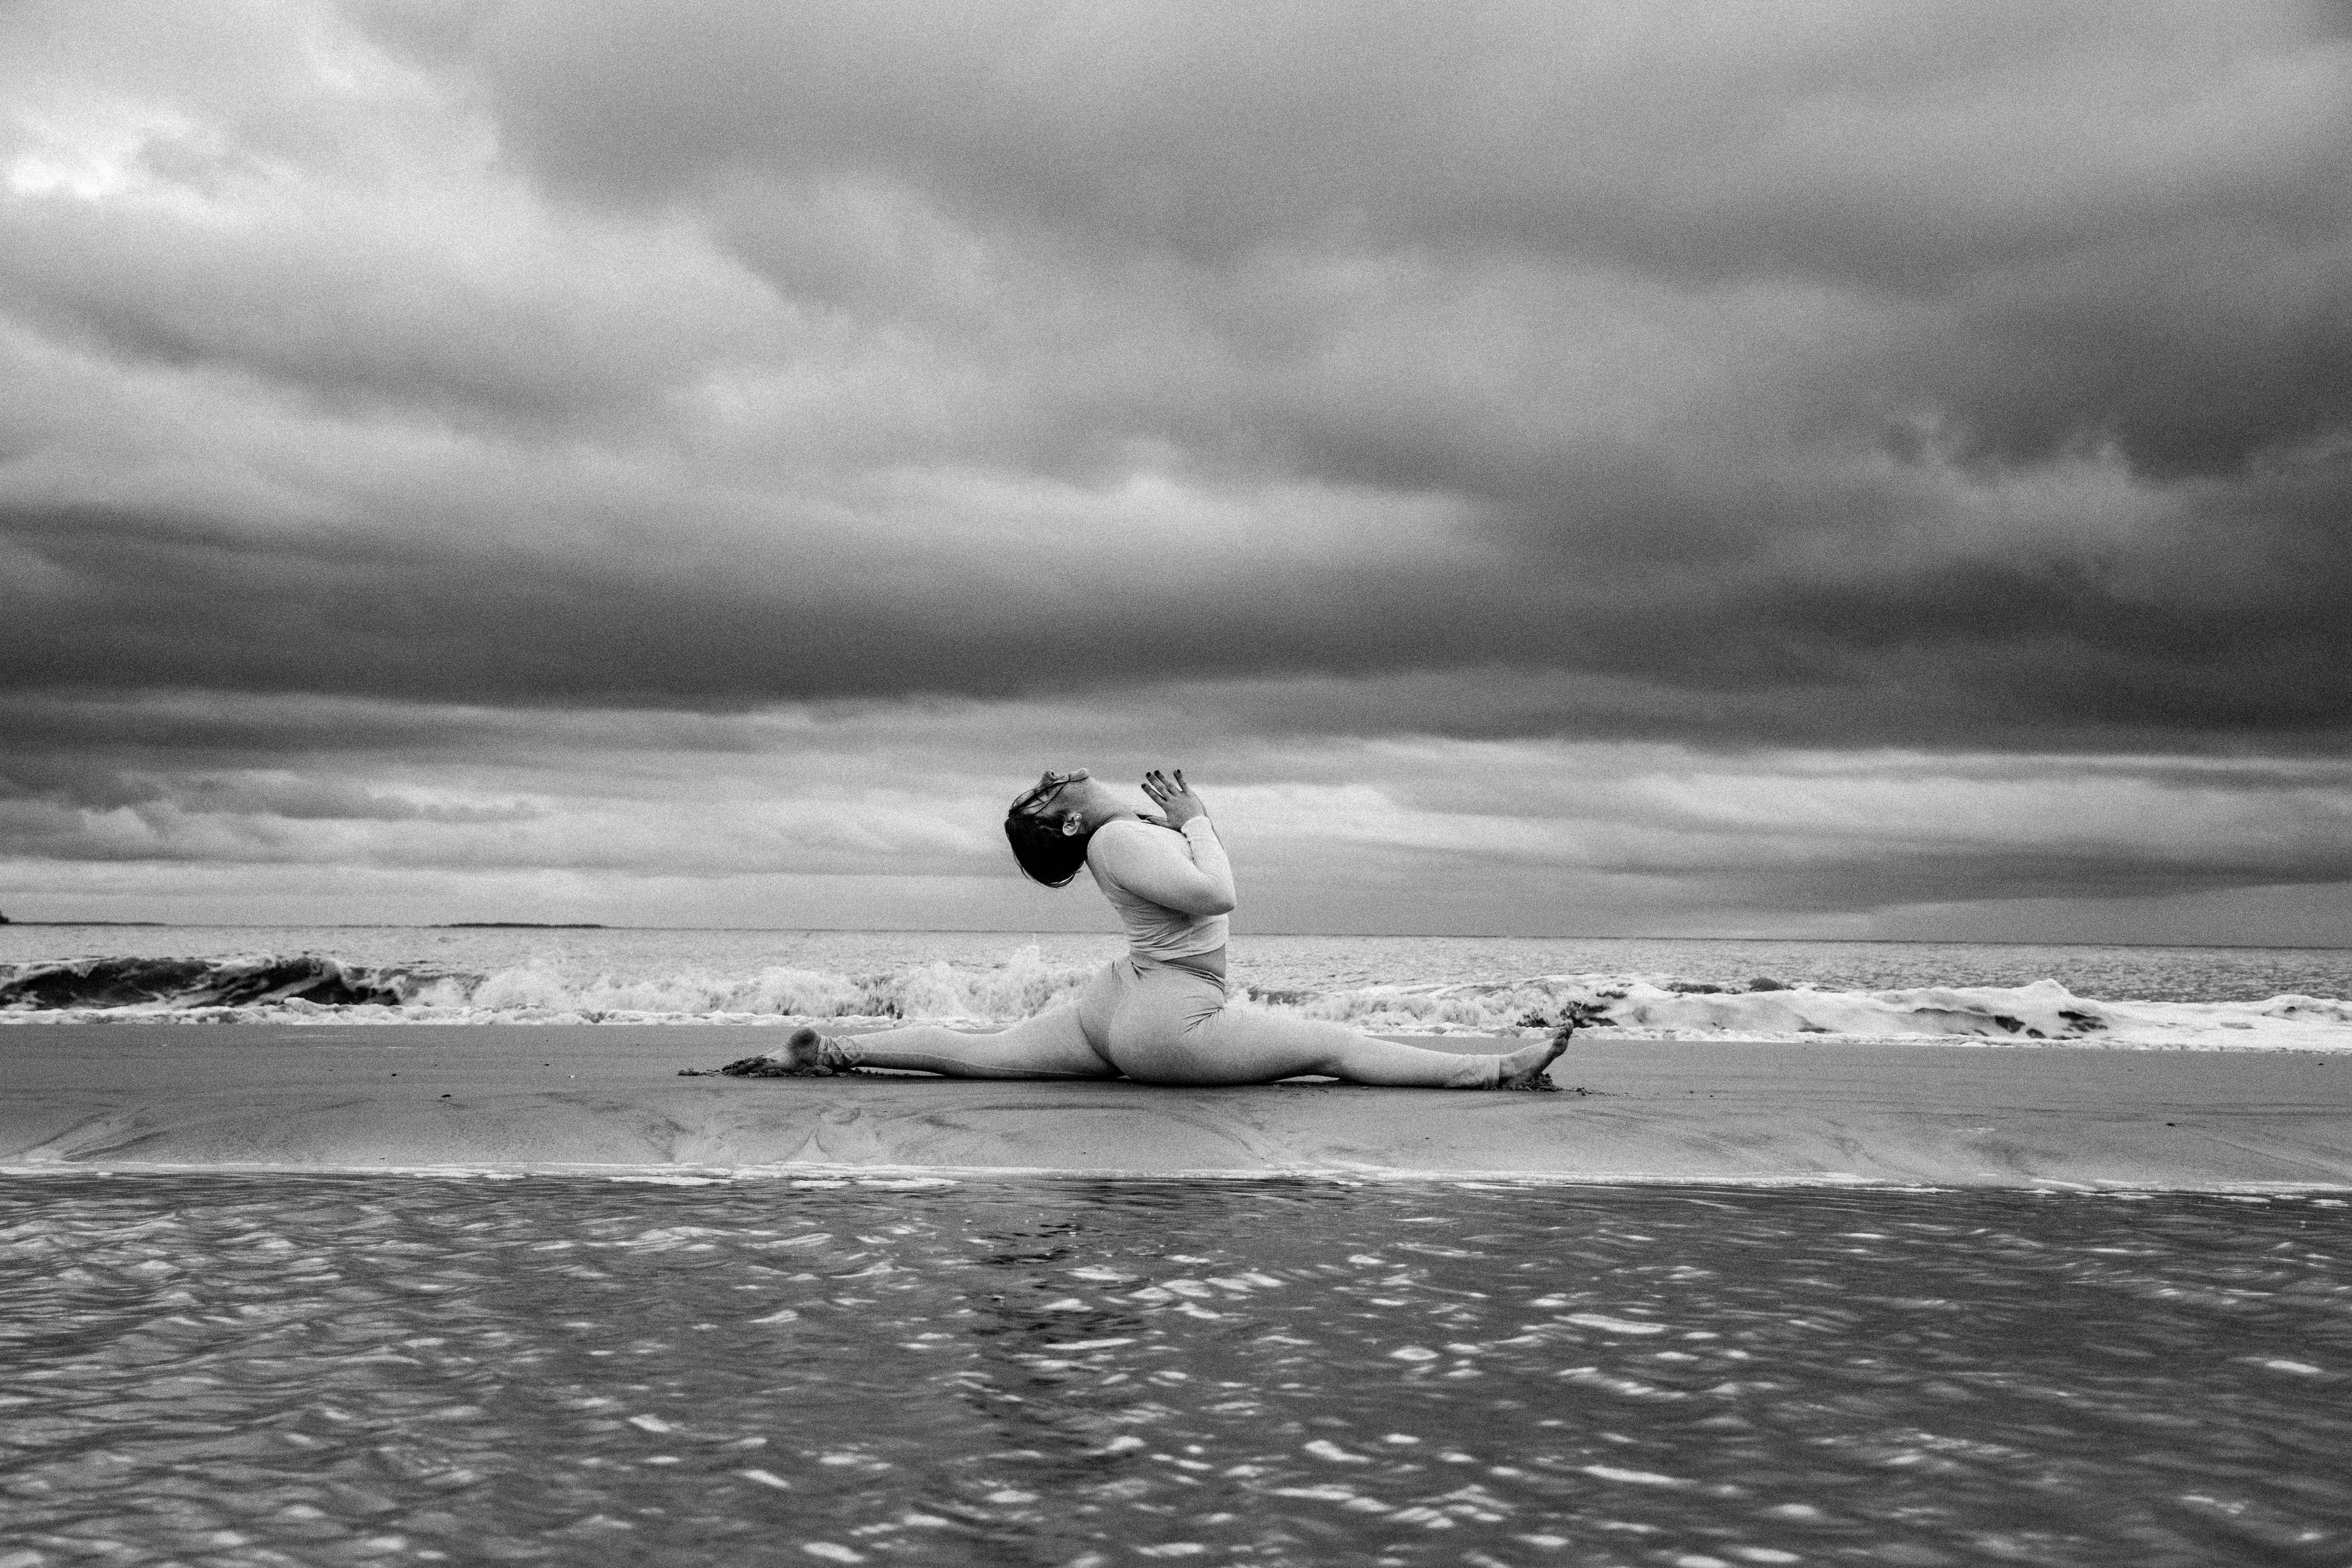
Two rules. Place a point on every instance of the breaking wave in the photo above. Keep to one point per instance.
(173, 984)
(313, 988)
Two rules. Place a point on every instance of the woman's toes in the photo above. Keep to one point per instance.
(746, 1067)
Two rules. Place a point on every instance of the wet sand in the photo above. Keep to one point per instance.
(541, 1097)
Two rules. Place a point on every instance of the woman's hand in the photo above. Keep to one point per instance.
(1177, 802)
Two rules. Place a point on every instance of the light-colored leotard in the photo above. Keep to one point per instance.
(1172, 889)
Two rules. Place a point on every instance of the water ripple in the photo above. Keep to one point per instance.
(342, 1369)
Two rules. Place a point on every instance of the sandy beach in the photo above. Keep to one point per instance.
(129, 1098)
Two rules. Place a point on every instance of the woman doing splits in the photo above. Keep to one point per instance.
(1159, 1015)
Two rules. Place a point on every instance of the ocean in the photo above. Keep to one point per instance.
(2195, 997)
(1080, 1372)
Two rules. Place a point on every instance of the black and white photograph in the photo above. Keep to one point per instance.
(1378, 783)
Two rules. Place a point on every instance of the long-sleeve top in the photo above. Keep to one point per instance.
(1173, 890)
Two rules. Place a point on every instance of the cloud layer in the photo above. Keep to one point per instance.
(1927, 423)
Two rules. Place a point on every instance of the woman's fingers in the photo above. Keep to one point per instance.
(1161, 788)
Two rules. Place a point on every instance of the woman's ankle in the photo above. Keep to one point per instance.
(1524, 1068)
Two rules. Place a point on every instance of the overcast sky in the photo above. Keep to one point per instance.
(1811, 470)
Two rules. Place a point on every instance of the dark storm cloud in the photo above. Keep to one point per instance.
(1979, 873)
(73, 782)
(1720, 333)
(2035, 654)
(1899, 148)
(130, 600)
(419, 388)
(2112, 222)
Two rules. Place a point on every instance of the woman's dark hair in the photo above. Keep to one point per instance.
(1047, 854)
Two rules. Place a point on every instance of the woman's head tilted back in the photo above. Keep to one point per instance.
(1049, 840)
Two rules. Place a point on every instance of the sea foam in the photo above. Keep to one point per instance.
(314, 988)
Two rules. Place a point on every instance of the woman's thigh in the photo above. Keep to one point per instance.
(1176, 1031)
(1176, 1028)
(1052, 1044)
(1057, 1043)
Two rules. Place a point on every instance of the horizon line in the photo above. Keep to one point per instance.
(1021, 931)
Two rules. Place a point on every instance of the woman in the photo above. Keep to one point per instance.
(1159, 1015)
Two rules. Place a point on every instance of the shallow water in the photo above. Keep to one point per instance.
(346, 1369)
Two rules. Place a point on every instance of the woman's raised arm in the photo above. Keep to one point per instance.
(1156, 866)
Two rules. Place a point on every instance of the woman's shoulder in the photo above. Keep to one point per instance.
(1121, 831)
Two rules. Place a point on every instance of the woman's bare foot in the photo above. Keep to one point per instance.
(806, 1054)
(1525, 1068)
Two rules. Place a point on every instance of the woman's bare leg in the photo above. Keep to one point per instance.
(1163, 1027)
(1337, 1051)
(1364, 1060)
(1170, 1034)
(1050, 1044)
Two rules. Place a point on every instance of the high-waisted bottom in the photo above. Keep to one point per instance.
(1164, 1023)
